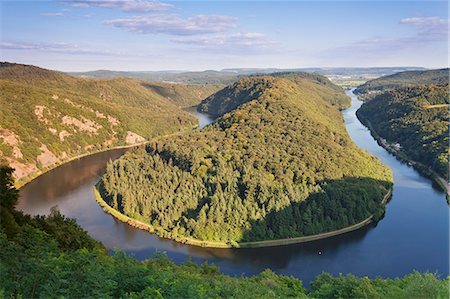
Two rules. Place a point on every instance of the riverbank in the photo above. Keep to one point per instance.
(22, 182)
(213, 244)
(402, 156)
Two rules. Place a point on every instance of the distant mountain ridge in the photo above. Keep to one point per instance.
(227, 76)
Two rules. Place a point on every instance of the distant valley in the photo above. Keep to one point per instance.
(341, 76)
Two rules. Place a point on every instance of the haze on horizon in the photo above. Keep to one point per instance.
(139, 35)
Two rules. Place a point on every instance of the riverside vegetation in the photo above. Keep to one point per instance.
(53, 257)
(417, 119)
(409, 112)
(278, 164)
(48, 117)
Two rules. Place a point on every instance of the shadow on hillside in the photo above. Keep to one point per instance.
(343, 203)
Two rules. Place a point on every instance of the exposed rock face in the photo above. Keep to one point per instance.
(133, 138)
(11, 139)
(47, 158)
(84, 124)
(21, 169)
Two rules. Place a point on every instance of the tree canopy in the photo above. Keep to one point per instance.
(280, 164)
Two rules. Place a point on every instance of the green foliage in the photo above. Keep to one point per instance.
(414, 285)
(37, 262)
(402, 79)
(34, 102)
(182, 95)
(417, 119)
(279, 165)
(248, 89)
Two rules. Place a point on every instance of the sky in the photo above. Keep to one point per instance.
(140, 35)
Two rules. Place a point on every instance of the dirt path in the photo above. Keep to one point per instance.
(435, 106)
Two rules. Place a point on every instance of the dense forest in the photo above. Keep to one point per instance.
(48, 117)
(279, 165)
(245, 90)
(402, 79)
(52, 256)
(415, 118)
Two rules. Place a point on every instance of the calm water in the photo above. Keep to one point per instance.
(414, 233)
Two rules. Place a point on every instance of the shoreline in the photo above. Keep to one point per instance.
(28, 179)
(25, 180)
(217, 244)
(419, 167)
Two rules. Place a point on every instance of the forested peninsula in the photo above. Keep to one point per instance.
(277, 164)
(48, 117)
(53, 257)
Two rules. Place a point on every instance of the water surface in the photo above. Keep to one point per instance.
(414, 234)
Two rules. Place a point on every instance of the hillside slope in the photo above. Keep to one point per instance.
(402, 79)
(183, 95)
(414, 121)
(279, 165)
(48, 117)
(244, 91)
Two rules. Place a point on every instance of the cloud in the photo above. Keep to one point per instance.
(239, 40)
(428, 30)
(426, 21)
(123, 5)
(66, 48)
(52, 14)
(174, 25)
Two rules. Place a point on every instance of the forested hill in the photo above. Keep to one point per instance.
(280, 165)
(245, 90)
(181, 94)
(46, 257)
(403, 79)
(414, 121)
(47, 117)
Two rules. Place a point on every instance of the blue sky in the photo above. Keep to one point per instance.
(81, 35)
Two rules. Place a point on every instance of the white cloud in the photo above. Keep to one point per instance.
(239, 40)
(123, 5)
(425, 21)
(52, 14)
(66, 48)
(428, 30)
(174, 25)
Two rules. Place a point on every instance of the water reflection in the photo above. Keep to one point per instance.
(414, 233)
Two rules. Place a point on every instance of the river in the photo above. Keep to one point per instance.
(414, 234)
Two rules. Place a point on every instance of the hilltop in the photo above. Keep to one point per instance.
(402, 79)
(244, 91)
(48, 117)
(279, 164)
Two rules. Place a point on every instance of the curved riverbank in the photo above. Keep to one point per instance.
(423, 169)
(216, 244)
(396, 245)
(22, 182)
